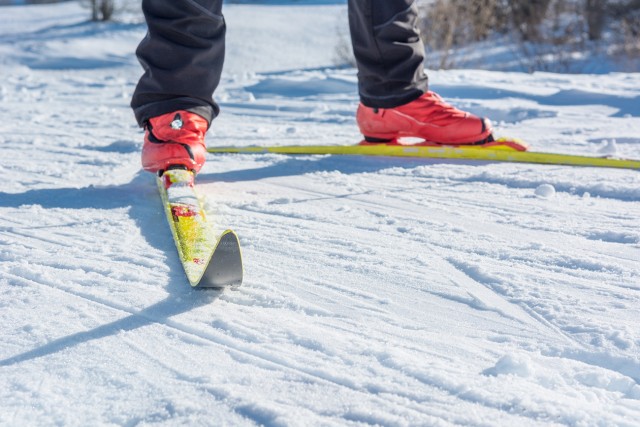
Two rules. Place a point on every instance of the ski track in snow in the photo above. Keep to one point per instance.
(378, 291)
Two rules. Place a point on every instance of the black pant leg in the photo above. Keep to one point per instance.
(182, 57)
(388, 50)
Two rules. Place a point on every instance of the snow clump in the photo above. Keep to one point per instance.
(545, 191)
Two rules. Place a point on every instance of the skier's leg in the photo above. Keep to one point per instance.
(182, 56)
(393, 86)
(388, 51)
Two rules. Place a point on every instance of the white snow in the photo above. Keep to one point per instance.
(378, 291)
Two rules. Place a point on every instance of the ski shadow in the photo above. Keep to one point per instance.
(159, 313)
(141, 199)
(296, 165)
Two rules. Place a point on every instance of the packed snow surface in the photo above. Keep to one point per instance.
(377, 291)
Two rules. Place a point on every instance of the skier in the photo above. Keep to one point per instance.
(183, 53)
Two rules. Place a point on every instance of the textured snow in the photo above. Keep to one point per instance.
(378, 291)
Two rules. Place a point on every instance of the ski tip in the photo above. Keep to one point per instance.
(508, 144)
(225, 266)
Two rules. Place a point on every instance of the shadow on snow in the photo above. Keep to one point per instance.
(145, 209)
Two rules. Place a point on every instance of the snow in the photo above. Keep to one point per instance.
(377, 291)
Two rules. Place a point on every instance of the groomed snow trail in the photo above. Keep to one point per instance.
(378, 291)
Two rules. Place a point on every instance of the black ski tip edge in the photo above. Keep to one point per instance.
(225, 266)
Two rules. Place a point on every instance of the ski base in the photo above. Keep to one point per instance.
(209, 261)
(500, 150)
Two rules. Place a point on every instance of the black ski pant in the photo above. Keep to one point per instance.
(183, 52)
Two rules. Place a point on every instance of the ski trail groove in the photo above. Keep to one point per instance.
(136, 320)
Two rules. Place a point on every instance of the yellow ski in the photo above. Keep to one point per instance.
(493, 153)
(209, 261)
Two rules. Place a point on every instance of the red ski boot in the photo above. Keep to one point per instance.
(174, 139)
(428, 117)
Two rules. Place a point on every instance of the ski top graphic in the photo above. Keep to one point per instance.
(209, 260)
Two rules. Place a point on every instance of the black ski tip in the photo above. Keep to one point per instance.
(225, 267)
